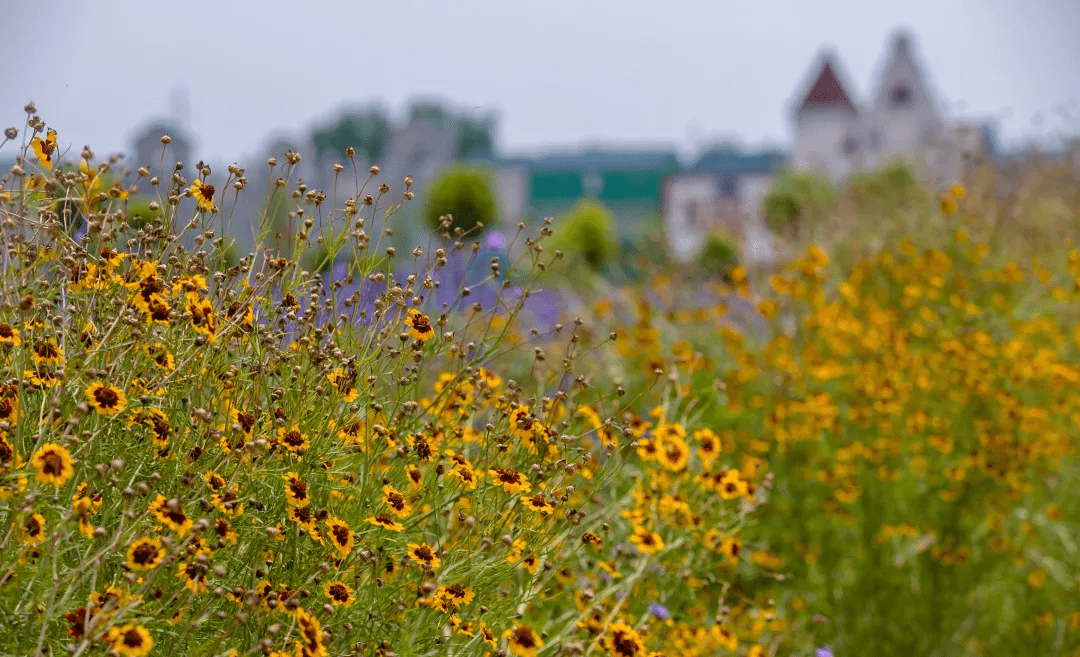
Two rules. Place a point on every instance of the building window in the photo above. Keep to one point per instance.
(728, 186)
(850, 145)
(901, 96)
(691, 210)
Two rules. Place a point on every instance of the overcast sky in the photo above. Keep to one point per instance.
(558, 73)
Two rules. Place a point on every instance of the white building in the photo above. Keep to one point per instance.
(721, 194)
(836, 137)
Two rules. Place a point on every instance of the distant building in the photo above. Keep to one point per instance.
(147, 147)
(721, 193)
(629, 182)
(836, 136)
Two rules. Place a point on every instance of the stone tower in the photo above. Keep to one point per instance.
(903, 120)
(827, 125)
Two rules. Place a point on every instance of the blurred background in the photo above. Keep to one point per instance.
(676, 118)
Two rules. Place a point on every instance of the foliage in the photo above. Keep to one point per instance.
(718, 257)
(796, 201)
(366, 132)
(587, 232)
(916, 409)
(465, 193)
(258, 460)
(892, 188)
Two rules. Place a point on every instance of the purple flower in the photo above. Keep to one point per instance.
(495, 240)
(823, 652)
(660, 611)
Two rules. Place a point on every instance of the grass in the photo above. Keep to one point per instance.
(870, 448)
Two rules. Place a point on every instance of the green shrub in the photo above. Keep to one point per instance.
(587, 232)
(796, 200)
(464, 193)
(891, 188)
(718, 257)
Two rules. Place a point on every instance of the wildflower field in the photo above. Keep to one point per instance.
(869, 453)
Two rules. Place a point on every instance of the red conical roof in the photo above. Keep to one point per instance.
(827, 92)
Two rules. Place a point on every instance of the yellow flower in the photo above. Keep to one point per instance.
(145, 553)
(451, 598)
(204, 195)
(311, 635)
(171, 514)
(396, 501)
(47, 352)
(949, 205)
(340, 535)
(203, 319)
(464, 474)
(647, 542)
(161, 356)
(53, 463)
(523, 641)
(673, 452)
(35, 529)
(193, 573)
(343, 381)
(424, 555)
(106, 399)
(9, 335)
(296, 490)
(622, 639)
(340, 593)
(538, 503)
(511, 480)
(732, 485)
(44, 149)
(130, 640)
(419, 326)
(293, 440)
(386, 522)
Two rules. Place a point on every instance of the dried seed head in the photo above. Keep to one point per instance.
(166, 139)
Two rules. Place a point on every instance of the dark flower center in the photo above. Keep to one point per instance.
(144, 554)
(523, 636)
(107, 397)
(54, 463)
(338, 592)
(341, 535)
(133, 639)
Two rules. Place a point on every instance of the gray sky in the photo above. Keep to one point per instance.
(558, 73)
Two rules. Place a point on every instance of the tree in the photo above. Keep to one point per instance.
(366, 132)
(587, 232)
(465, 193)
(474, 138)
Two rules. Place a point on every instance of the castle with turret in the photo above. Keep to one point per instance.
(837, 136)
